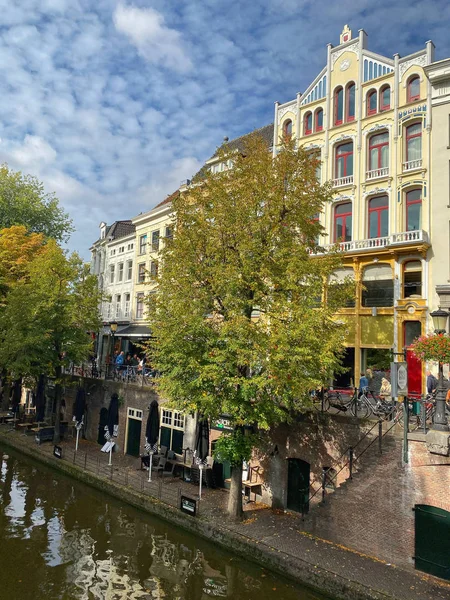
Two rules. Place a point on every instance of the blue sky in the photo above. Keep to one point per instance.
(112, 104)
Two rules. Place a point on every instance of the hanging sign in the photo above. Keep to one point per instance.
(399, 379)
(223, 423)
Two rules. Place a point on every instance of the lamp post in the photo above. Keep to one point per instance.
(113, 327)
(440, 423)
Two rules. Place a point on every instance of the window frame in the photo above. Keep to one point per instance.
(378, 211)
(344, 216)
(141, 273)
(156, 239)
(318, 127)
(170, 420)
(348, 117)
(411, 80)
(129, 270)
(336, 120)
(404, 271)
(409, 137)
(287, 128)
(154, 266)
(409, 203)
(371, 94)
(120, 272)
(379, 150)
(111, 273)
(308, 130)
(345, 156)
(143, 244)
(140, 297)
(384, 107)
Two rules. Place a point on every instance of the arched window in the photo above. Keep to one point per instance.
(338, 106)
(385, 98)
(319, 120)
(379, 154)
(412, 278)
(372, 102)
(378, 217)
(307, 126)
(287, 128)
(350, 102)
(414, 88)
(344, 160)
(413, 145)
(378, 286)
(413, 210)
(343, 222)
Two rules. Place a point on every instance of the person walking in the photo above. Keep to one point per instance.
(431, 382)
(363, 384)
(120, 361)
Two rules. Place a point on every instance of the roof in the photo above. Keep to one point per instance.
(168, 199)
(117, 230)
(265, 132)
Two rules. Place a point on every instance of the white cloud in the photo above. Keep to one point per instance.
(156, 42)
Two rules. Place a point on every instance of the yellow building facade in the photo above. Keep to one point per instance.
(366, 117)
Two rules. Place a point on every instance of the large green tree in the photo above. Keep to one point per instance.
(47, 316)
(24, 201)
(239, 321)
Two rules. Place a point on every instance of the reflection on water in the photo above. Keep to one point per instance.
(62, 540)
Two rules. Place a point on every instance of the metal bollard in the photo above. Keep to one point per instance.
(380, 436)
(423, 410)
(350, 462)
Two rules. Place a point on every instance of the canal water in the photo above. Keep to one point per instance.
(61, 540)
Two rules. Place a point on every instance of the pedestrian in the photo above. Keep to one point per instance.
(134, 361)
(120, 361)
(386, 390)
(363, 384)
(431, 382)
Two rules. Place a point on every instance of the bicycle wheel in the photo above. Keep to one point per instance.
(317, 403)
(360, 408)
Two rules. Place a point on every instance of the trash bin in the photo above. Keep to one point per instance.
(416, 407)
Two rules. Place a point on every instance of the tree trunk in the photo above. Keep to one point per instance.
(6, 390)
(235, 497)
(58, 398)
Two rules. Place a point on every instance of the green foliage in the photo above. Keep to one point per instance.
(235, 447)
(48, 314)
(23, 201)
(239, 324)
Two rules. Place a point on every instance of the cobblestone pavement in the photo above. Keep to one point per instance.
(340, 541)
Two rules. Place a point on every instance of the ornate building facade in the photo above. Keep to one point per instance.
(367, 118)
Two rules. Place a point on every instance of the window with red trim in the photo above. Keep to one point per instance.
(414, 88)
(287, 128)
(372, 102)
(414, 142)
(378, 217)
(338, 106)
(350, 102)
(344, 160)
(319, 120)
(379, 151)
(413, 210)
(385, 98)
(343, 222)
(307, 127)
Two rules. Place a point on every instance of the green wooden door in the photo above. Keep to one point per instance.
(432, 540)
(134, 437)
(298, 485)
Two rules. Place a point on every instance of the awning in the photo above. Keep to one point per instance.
(138, 331)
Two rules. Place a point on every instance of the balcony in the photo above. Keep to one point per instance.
(376, 173)
(403, 238)
(412, 164)
(341, 181)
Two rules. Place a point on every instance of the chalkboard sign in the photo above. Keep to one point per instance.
(189, 506)
(57, 451)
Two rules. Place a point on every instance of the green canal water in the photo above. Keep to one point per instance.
(61, 540)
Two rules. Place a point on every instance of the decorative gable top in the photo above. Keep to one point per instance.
(346, 35)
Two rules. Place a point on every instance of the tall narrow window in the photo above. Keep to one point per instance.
(413, 210)
(120, 272)
(155, 240)
(141, 273)
(319, 120)
(372, 102)
(385, 98)
(414, 88)
(343, 222)
(350, 102)
(378, 217)
(338, 106)
(379, 153)
(414, 142)
(118, 306)
(412, 278)
(126, 313)
(307, 127)
(154, 268)
(287, 129)
(169, 233)
(129, 269)
(143, 244)
(344, 160)
(140, 305)
(111, 274)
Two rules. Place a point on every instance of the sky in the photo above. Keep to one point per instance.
(112, 104)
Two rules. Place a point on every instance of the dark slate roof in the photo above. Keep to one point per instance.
(117, 230)
(265, 132)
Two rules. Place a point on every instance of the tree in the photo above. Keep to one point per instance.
(47, 317)
(239, 324)
(23, 201)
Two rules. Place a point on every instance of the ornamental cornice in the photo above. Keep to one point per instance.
(419, 61)
(350, 197)
(377, 190)
(378, 127)
(343, 137)
(350, 48)
(313, 147)
(286, 109)
(410, 111)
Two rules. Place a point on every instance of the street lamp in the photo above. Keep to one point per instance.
(440, 423)
(113, 327)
